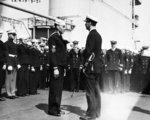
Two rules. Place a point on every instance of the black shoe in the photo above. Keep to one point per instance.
(87, 118)
(10, 97)
(14, 96)
(77, 90)
(62, 113)
(2, 99)
(54, 114)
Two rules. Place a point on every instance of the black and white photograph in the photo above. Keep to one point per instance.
(74, 60)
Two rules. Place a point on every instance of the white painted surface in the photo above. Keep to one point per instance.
(112, 25)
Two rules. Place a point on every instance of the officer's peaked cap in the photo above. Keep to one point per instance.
(145, 47)
(91, 18)
(113, 42)
(60, 22)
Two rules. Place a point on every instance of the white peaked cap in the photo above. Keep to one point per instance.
(92, 18)
(60, 22)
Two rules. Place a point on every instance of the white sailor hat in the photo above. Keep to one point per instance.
(60, 22)
(42, 45)
(91, 18)
(11, 31)
(34, 41)
(43, 38)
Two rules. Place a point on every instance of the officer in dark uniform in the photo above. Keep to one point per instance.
(93, 69)
(75, 63)
(12, 64)
(2, 61)
(23, 72)
(58, 62)
(114, 66)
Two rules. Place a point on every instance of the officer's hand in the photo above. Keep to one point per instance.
(4, 67)
(56, 73)
(18, 66)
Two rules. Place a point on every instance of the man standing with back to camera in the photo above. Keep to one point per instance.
(93, 72)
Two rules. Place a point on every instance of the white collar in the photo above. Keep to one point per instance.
(113, 49)
(92, 28)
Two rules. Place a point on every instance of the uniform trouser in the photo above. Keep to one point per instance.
(146, 89)
(55, 91)
(74, 78)
(93, 95)
(136, 82)
(82, 80)
(11, 82)
(42, 80)
(33, 80)
(114, 77)
(2, 78)
(126, 82)
(22, 80)
(105, 82)
(47, 76)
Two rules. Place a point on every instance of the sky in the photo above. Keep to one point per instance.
(113, 25)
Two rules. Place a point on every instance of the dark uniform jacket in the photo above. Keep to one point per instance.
(57, 50)
(114, 59)
(2, 53)
(35, 55)
(93, 45)
(44, 58)
(23, 54)
(11, 53)
(136, 65)
(75, 59)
